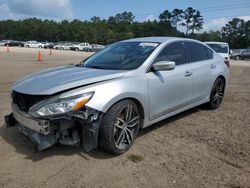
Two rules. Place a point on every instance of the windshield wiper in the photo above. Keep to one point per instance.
(94, 67)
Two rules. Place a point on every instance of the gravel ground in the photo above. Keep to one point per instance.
(197, 148)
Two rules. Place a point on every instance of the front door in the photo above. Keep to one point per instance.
(170, 90)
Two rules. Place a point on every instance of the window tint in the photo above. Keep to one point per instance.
(210, 53)
(196, 52)
(173, 52)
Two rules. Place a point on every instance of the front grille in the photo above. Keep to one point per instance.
(24, 101)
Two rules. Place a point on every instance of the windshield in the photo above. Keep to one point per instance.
(121, 56)
(219, 48)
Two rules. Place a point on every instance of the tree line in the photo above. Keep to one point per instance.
(123, 26)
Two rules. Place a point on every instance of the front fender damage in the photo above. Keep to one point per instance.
(80, 128)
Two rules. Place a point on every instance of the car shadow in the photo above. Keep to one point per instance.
(27, 148)
(168, 121)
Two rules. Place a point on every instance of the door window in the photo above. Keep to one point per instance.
(196, 52)
(173, 52)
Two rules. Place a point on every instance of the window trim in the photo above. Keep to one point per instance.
(166, 45)
(206, 48)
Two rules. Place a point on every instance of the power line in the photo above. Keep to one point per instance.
(208, 9)
(223, 6)
(229, 8)
(231, 16)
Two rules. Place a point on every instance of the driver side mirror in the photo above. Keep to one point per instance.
(163, 65)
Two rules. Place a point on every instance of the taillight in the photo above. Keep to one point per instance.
(226, 61)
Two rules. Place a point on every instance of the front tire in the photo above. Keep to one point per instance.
(119, 127)
(217, 94)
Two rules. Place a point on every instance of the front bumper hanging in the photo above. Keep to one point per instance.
(82, 128)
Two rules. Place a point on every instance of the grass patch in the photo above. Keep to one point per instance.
(135, 158)
(233, 186)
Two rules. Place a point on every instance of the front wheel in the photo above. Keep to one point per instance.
(119, 127)
(217, 94)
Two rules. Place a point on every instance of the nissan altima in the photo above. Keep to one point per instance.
(105, 99)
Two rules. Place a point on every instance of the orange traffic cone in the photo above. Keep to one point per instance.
(39, 57)
(8, 49)
(50, 51)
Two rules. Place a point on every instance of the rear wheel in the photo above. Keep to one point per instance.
(119, 127)
(237, 58)
(217, 94)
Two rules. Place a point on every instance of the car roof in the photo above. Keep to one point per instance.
(210, 42)
(157, 39)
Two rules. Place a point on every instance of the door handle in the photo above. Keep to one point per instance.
(188, 73)
(212, 66)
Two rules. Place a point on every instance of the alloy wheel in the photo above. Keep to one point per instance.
(126, 126)
(218, 92)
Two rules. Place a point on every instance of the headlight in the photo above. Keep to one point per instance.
(65, 105)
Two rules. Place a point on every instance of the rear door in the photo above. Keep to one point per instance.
(203, 68)
(170, 90)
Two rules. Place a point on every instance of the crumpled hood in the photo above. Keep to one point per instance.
(62, 78)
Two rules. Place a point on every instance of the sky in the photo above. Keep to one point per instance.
(216, 13)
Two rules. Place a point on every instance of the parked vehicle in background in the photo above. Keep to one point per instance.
(241, 55)
(81, 47)
(49, 45)
(14, 43)
(57, 46)
(33, 44)
(221, 48)
(3, 42)
(151, 78)
(96, 47)
(66, 46)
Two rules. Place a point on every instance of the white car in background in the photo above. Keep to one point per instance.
(84, 46)
(33, 44)
(3, 42)
(222, 48)
(66, 46)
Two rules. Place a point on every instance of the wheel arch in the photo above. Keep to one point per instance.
(223, 78)
(134, 99)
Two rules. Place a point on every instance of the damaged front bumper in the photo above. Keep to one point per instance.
(80, 128)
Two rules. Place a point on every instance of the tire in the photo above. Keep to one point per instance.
(237, 57)
(119, 127)
(77, 49)
(40, 46)
(217, 94)
(61, 48)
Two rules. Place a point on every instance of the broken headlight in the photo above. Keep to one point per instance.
(62, 106)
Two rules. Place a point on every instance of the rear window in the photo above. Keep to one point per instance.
(196, 52)
(219, 48)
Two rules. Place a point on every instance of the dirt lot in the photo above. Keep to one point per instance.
(198, 148)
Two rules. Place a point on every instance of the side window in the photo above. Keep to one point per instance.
(210, 53)
(173, 52)
(196, 52)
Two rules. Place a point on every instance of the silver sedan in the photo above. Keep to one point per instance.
(127, 86)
